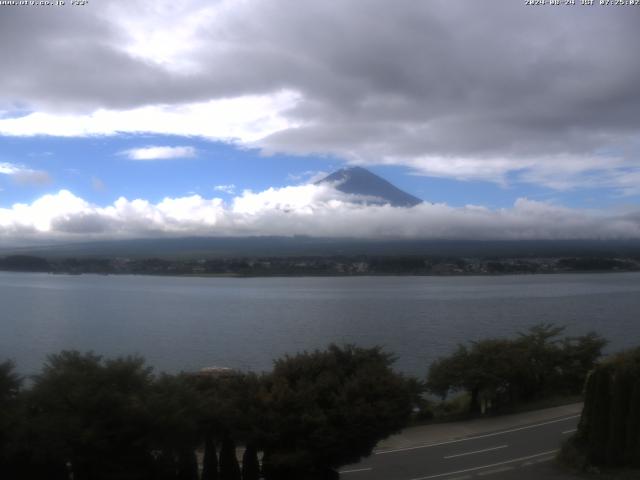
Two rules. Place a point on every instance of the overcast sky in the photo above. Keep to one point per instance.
(123, 119)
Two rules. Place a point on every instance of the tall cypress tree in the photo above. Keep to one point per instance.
(187, 465)
(210, 460)
(229, 468)
(599, 434)
(621, 389)
(632, 443)
(250, 464)
(609, 429)
(585, 426)
(164, 466)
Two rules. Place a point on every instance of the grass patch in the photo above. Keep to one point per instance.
(456, 408)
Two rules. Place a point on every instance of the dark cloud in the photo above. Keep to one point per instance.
(496, 84)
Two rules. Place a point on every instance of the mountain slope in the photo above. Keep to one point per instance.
(361, 182)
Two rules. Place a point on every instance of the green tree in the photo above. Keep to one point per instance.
(503, 372)
(329, 408)
(231, 411)
(187, 463)
(90, 413)
(609, 428)
(250, 464)
(175, 408)
(229, 468)
(210, 459)
(492, 372)
(543, 356)
(10, 384)
(579, 355)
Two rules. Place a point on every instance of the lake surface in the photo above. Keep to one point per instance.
(180, 323)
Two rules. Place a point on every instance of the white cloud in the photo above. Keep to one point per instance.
(342, 79)
(159, 153)
(316, 210)
(244, 119)
(228, 189)
(308, 176)
(24, 175)
(8, 168)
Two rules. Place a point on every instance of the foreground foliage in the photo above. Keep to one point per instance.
(330, 408)
(502, 372)
(609, 429)
(105, 419)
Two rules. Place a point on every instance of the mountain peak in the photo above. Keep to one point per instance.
(362, 182)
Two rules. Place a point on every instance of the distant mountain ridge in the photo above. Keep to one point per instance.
(360, 181)
(303, 246)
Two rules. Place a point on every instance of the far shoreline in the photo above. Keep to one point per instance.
(327, 275)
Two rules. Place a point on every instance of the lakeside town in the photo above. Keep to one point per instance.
(316, 265)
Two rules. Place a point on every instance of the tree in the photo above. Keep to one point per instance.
(543, 355)
(229, 468)
(250, 464)
(503, 372)
(187, 463)
(491, 371)
(609, 428)
(10, 384)
(449, 373)
(328, 408)
(230, 412)
(176, 409)
(210, 459)
(579, 355)
(90, 413)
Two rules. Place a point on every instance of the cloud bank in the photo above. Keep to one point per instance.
(466, 90)
(316, 210)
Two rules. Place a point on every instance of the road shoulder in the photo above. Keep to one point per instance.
(443, 432)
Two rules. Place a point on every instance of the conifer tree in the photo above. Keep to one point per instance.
(229, 468)
(621, 389)
(609, 430)
(250, 464)
(632, 443)
(210, 460)
(187, 465)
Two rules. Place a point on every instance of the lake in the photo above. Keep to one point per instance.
(185, 323)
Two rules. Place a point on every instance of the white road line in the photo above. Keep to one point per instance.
(566, 432)
(494, 471)
(485, 466)
(542, 460)
(428, 445)
(355, 470)
(477, 451)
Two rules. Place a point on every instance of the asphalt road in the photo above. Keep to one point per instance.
(521, 451)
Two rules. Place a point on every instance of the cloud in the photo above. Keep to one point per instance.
(241, 119)
(9, 168)
(228, 189)
(308, 176)
(23, 175)
(461, 90)
(159, 153)
(316, 210)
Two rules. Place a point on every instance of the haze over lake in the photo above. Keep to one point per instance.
(180, 323)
